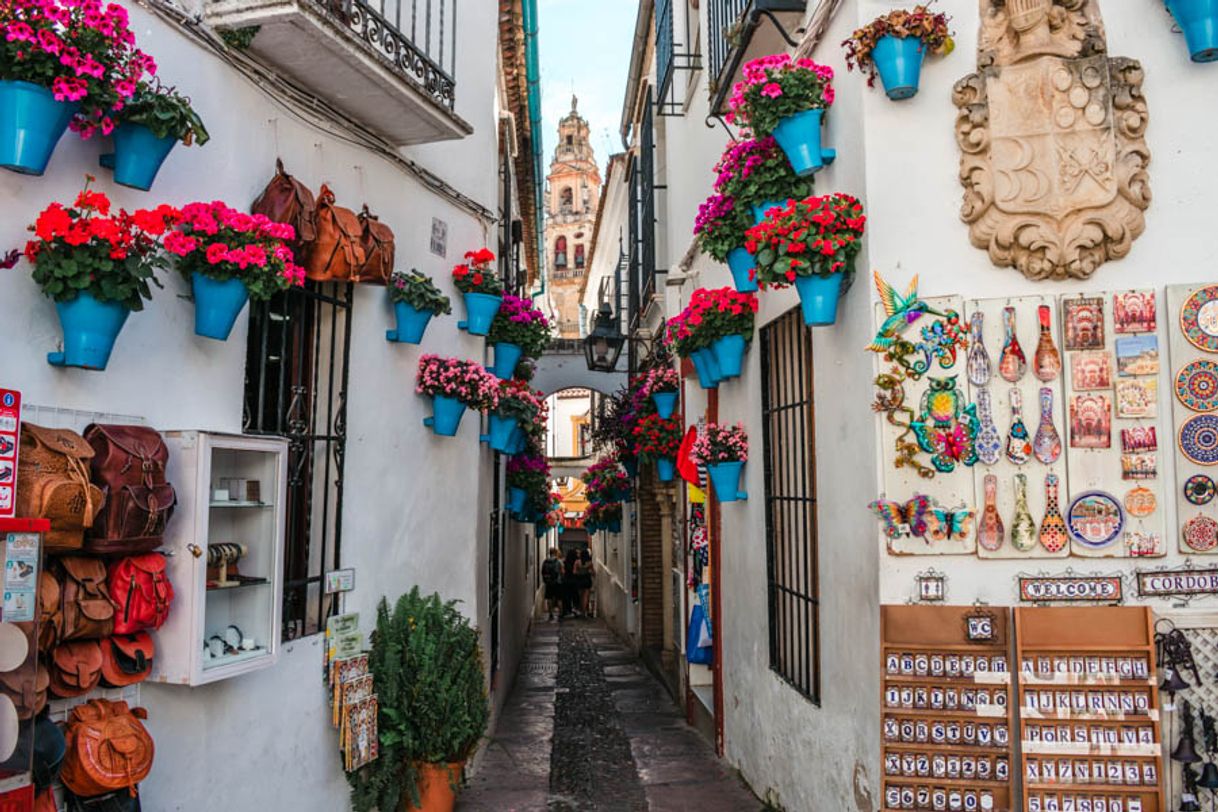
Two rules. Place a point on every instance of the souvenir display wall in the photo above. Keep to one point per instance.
(1188, 655)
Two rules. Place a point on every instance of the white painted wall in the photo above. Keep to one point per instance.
(262, 741)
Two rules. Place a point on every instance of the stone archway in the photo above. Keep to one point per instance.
(556, 371)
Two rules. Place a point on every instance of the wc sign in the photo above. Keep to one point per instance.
(10, 426)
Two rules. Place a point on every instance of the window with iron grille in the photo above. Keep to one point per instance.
(789, 459)
(296, 387)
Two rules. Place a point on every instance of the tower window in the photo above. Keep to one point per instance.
(570, 140)
(579, 255)
(560, 252)
(566, 199)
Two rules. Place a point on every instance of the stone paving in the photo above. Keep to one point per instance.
(588, 728)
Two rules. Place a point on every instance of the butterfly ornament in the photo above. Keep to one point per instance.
(903, 519)
(954, 524)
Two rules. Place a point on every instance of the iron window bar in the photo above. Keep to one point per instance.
(672, 56)
(732, 24)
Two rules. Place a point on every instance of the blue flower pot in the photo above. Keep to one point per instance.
(516, 497)
(412, 323)
(31, 123)
(818, 297)
(217, 305)
(615, 526)
(446, 416)
(480, 310)
(632, 467)
(137, 156)
(760, 209)
(725, 478)
(540, 529)
(702, 367)
(90, 328)
(729, 354)
(666, 469)
(799, 137)
(712, 364)
(666, 403)
(740, 262)
(507, 356)
(898, 60)
(499, 433)
(1198, 19)
(516, 443)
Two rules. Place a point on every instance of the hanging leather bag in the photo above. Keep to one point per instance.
(378, 244)
(129, 466)
(27, 687)
(108, 748)
(75, 668)
(50, 610)
(126, 659)
(86, 613)
(287, 200)
(337, 253)
(53, 483)
(141, 590)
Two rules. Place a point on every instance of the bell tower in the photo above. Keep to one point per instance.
(573, 193)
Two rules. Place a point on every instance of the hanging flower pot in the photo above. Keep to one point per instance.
(1198, 19)
(481, 289)
(725, 478)
(412, 323)
(666, 469)
(741, 263)
(631, 464)
(518, 406)
(415, 300)
(138, 155)
(787, 99)
(729, 355)
(454, 384)
(818, 297)
(519, 330)
(90, 328)
(894, 45)
(666, 403)
(707, 368)
(517, 442)
(507, 356)
(515, 502)
(446, 415)
(899, 63)
(31, 124)
(723, 450)
(800, 138)
(615, 525)
(499, 433)
(760, 209)
(217, 305)
(152, 122)
(480, 310)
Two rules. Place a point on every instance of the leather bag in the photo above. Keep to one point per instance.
(53, 483)
(50, 610)
(129, 466)
(338, 252)
(378, 243)
(141, 592)
(75, 668)
(86, 611)
(287, 200)
(108, 748)
(27, 687)
(126, 659)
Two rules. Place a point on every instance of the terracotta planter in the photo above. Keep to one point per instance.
(436, 793)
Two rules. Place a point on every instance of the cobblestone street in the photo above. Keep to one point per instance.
(588, 728)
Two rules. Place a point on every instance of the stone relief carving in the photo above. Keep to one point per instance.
(1051, 131)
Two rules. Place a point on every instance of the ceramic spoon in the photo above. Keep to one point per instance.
(1023, 526)
(1053, 534)
(990, 531)
(1013, 363)
(1047, 362)
(1047, 444)
(989, 440)
(978, 364)
(1019, 448)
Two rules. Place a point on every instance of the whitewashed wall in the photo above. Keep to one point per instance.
(262, 741)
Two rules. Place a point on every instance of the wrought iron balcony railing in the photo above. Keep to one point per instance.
(732, 27)
(673, 53)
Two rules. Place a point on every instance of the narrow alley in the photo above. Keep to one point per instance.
(588, 728)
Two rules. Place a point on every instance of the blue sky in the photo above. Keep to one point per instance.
(585, 47)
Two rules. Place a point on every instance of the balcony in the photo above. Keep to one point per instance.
(388, 64)
(743, 30)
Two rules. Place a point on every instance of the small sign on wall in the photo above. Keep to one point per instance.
(1071, 589)
(1168, 583)
(10, 425)
(932, 586)
(340, 581)
(439, 237)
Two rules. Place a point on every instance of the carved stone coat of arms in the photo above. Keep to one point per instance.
(1051, 131)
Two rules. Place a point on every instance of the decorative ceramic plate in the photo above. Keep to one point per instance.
(1095, 519)
(1199, 489)
(1201, 533)
(1199, 439)
(1140, 502)
(1199, 319)
(1197, 385)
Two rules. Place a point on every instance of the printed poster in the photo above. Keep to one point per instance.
(10, 425)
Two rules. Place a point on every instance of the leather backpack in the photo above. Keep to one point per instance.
(126, 659)
(287, 200)
(338, 252)
(50, 610)
(378, 243)
(141, 592)
(53, 483)
(108, 748)
(129, 466)
(75, 668)
(27, 687)
(86, 611)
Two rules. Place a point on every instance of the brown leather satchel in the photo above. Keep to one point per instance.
(129, 466)
(108, 748)
(337, 253)
(27, 687)
(87, 613)
(287, 200)
(53, 483)
(75, 668)
(50, 610)
(378, 242)
(126, 659)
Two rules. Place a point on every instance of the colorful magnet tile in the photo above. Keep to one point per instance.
(1199, 319)
(1199, 490)
(1133, 311)
(1095, 519)
(1137, 398)
(1090, 421)
(1197, 385)
(1198, 439)
(1090, 371)
(1139, 439)
(1137, 355)
(1143, 545)
(1200, 533)
(1139, 466)
(1084, 323)
(1141, 502)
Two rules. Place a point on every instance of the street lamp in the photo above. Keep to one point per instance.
(604, 344)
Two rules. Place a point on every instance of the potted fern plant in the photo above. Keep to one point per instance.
(427, 667)
(415, 300)
(150, 124)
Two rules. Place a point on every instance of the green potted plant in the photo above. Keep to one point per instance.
(518, 330)
(723, 450)
(481, 289)
(787, 99)
(719, 228)
(415, 300)
(432, 708)
(893, 45)
(150, 124)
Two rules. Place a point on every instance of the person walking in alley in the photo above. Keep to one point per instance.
(570, 580)
(551, 576)
(586, 570)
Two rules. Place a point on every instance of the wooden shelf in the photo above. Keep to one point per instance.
(962, 783)
(997, 716)
(233, 505)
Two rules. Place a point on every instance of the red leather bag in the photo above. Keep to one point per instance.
(141, 590)
(287, 200)
(126, 659)
(129, 467)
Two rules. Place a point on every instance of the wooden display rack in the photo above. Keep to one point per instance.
(935, 666)
(1088, 701)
